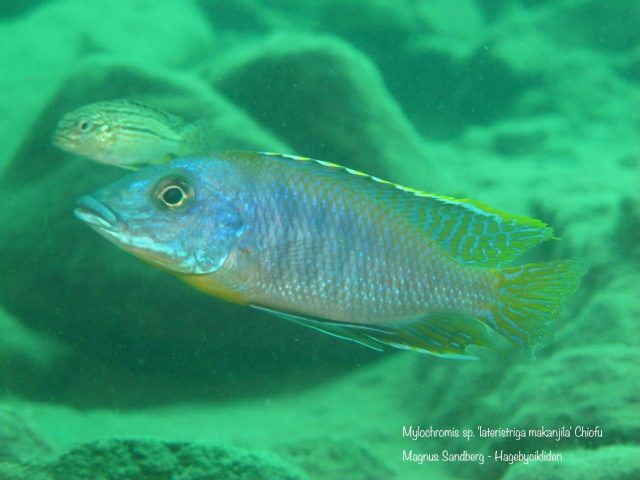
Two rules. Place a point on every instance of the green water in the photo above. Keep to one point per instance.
(111, 369)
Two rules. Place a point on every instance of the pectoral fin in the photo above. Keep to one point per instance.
(362, 334)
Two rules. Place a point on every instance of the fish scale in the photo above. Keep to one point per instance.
(374, 300)
(339, 251)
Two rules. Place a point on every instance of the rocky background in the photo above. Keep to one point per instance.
(110, 367)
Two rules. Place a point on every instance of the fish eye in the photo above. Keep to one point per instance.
(173, 196)
(84, 125)
(173, 193)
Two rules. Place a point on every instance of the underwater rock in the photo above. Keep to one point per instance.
(14, 9)
(234, 15)
(19, 344)
(118, 316)
(598, 386)
(445, 91)
(104, 78)
(563, 78)
(27, 357)
(607, 26)
(631, 70)
(331, 458)
(383, 29)
(589, 386)
(451, 406)
(21, 471)
(135, 30)
(433, 63)
(513, 139)
(155, 460)
(441, 68)
(627, 229)
(43, 46)
(18, 441)
(619, 462)
(598, 97)
(612, 301)
(326, 100)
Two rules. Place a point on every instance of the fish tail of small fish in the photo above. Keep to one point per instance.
(529, 298)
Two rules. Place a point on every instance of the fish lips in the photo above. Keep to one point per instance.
(95, 214)
(101, 219)
(63, 139)
(105, 222)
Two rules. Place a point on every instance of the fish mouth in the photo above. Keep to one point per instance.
(101, 219)
(94, 213)
(61, 139)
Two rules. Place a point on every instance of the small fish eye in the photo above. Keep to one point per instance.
(84, 125)
(173, 196)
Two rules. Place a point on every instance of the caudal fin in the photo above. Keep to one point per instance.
(529, 298)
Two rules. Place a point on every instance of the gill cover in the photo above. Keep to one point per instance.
(209, 256)
(201, 223)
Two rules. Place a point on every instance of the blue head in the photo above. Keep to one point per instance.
(184, 216)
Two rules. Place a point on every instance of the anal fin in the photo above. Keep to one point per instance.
(445, 334)
(442, 334)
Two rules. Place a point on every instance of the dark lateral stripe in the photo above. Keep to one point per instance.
(131, 114)
(144, 128)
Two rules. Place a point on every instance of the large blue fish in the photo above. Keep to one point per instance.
(340, 251)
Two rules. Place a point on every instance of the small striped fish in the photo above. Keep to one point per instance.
(128, 134)
(339, 251)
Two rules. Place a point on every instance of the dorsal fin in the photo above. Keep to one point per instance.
(469, 231)
(476, 234)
